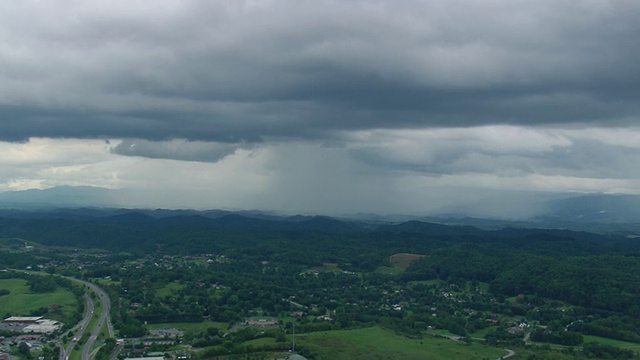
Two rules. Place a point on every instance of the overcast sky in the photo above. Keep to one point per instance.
(319, 106)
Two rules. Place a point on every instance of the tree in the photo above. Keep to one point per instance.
(24, 350)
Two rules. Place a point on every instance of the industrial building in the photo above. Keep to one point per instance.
(30, 324)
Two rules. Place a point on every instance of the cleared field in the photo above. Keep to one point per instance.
(376, 343)
(403, 260)
(169, 289)
(482, 333)
(103, 281)
(21, 300)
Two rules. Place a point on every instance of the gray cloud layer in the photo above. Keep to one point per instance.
(246, 71)
(175, 149)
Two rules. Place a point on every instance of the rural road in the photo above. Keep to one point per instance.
(510, 353)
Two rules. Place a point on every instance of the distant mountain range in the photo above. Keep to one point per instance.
(597, 208)
(59, 197)
(598, 213)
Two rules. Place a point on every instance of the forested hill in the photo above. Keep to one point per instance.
(184, 232)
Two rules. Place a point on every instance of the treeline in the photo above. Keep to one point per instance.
(15, 260)
(596, 350)
(43, 283)
(615, 327)
(602, 282)
(303, 242)
(567, 338)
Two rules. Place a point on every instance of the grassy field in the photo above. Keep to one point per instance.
(612, 342)
(103, 281)
(21, 300)
(482, 333)
(169, 289)
(376, 343)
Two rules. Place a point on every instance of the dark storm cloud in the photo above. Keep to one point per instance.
(246, 71)
(175, 149)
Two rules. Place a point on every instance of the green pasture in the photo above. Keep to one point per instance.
(169, 289)
(21, 300)
(377, 343)
(483, 333)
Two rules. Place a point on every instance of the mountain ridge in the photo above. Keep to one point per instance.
(590, 212)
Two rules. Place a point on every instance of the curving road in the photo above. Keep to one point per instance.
(81, 326)
(510, 353)
(87, 353)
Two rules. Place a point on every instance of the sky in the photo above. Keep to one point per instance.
(326, 107)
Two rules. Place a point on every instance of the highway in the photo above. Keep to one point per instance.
(79, 329)
(88, 351)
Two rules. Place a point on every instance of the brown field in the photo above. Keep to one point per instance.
(403, 261)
